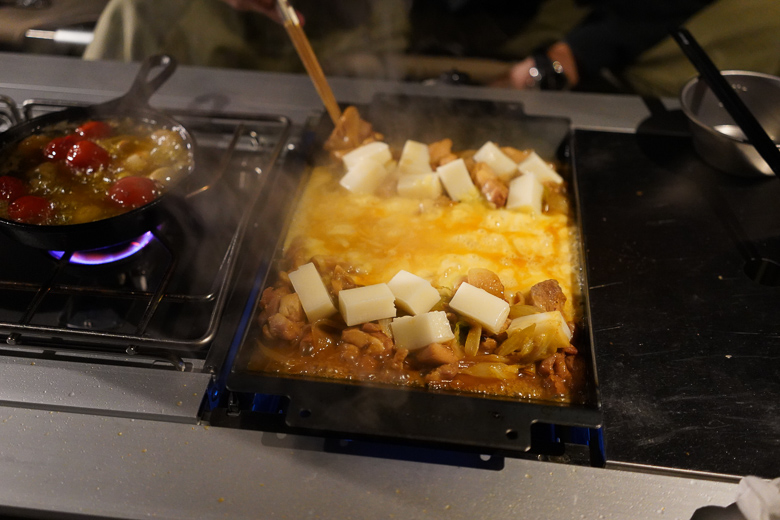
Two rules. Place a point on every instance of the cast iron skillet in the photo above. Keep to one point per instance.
(123, 227)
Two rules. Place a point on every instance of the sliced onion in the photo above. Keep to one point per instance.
(273, 355)
(472, 340)
(491, 358)
(518, 310)
(492, 370)
(457, 348)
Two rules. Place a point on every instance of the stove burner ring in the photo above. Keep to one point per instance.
(107, 255)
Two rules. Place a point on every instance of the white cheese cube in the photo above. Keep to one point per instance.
(481, 306)
(525, 194)
(364, 177)
(457, 181)
(537, 166)
(419, 186)
(412, 293)
(551, 323)
(415, 332)
(490, 154)
(415, 158)
(376, 151)
(313, 294)
(363, 304)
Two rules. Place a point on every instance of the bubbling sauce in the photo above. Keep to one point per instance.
(75, 173)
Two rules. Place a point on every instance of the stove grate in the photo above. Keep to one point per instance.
(167, 298)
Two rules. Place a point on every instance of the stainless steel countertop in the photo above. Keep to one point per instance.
(120, 467)
(128, 468)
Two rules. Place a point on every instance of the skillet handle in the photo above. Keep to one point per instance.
(143, 87)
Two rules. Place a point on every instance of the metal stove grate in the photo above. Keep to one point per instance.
(165, 300)
(9, 113)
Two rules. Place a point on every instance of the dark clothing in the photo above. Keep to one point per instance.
(617, 31)
(466, 28)
(610, 37)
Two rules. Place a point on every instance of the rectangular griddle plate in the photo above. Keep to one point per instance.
(399, 413)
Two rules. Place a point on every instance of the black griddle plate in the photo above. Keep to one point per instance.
(688, 341)
(398, 413)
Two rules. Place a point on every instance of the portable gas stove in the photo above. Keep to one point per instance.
(102, 363)
(158, 301)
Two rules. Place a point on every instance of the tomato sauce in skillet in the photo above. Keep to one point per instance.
(77, 173)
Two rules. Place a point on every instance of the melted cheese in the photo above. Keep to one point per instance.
(379, 236)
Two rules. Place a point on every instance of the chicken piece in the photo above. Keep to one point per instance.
(356, 337)
(495, 191)
(376, 331)
(351, 131)
(372, 344)
(442, 373)
(341, 280)
(448, 159)
(439, 150)
(486, 280)
(270, 301)
(436, 354)
(349, 352)
(371, 327)
(467, 156)
(290, 307)
(545, 367)
(571, 350)
(556, 369)
(516, 155)
(547, 295)
(488, 345)
(281, 327)
(396, 362)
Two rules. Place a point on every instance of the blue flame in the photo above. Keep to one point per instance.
(106, 255)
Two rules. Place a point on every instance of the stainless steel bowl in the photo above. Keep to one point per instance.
(716, 137)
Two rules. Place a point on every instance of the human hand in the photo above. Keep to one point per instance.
(520, 75)
(525, 74)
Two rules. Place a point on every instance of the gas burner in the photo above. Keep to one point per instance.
(107, 255)
(169, 298)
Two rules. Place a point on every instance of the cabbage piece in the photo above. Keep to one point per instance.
(550, 323)
(521, 340)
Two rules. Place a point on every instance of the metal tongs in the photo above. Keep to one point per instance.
(293, 27)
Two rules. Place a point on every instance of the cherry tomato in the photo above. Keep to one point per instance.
(94, 130)
(30, 209)
(11, 188)
(132, 192)
(86, 155)
(57, 149)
